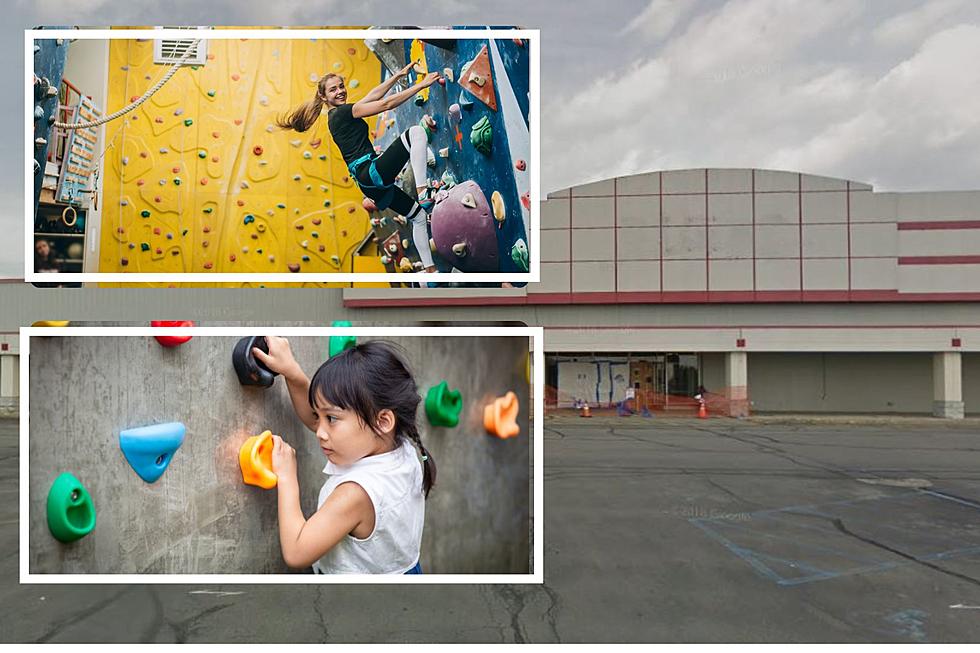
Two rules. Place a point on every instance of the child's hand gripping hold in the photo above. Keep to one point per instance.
(283, 459)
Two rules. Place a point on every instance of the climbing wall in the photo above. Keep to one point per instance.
(198, 179)
(504, 168)
(199, 517)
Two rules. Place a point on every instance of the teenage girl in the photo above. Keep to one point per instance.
(375, 174)
(362, 405)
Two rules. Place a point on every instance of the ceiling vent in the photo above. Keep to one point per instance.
(170, 50)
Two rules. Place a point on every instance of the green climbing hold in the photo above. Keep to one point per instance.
(281, 206)
(306, 258)
(208, 209)
(518, 254)
(183, 232)
(443, 406)
(71, 514)
(144, 213)
(339, 344)
(176, 181)
(188, 122)
(201, 154)
(211, 93)
(481, 135)
(145, 247)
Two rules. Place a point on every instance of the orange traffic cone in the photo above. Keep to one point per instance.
(702, 410)
(586, 411)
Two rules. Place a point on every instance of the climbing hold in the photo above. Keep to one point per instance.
(430, 158)
(448, 179)
(304, 244)
(188, 122)
(405, 265)
(465, 100)
(518, 254)
(321, 248)
(170, 236)
(307, 154)
(405, 243)
(214, 159)
(125, 160)
(244, 250)
(145, 247)
(481, 135)
(163, 150)
(176, 181)
(124, 262)
(337, 65)
(204, 181)
(428, 123)
(526, 200)
(249, 218)
(235, 77)
(305, 258)
(296, 177)
(500, 417)
(250, 370)
(448, 74)
(208, 265)
(442, 405)
(280, 206)
(208, 209)
(299, 227)
(264, 100)
(340, 344)
(204, 243)
(385, 260)
(201, 154)
(231, 257)
(140, 182)
(178, 112)
(255, 459)
(144, 213)
(149, 449)
(444, 152)
(123, 202)
(478, 79)
(207, 229)
(400, 219)
(499, 210)
(156, 231)
(419, 99)
(392, 247)
(257, 150)
(464, 216)
(315, 234)
(175, 169)
(260, 227)
(354, 83)
(71, 514)
(459, 249)
(293, 267)
(172, 341)
(211, 92)
(296, 142)
(521, 165)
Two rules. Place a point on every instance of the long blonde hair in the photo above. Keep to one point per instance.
(303, 117)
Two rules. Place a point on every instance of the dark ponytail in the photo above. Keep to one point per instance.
(371, 377)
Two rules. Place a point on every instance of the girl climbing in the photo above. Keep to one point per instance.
(362, 405)
(375, 174)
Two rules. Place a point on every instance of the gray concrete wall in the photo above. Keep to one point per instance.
(841, 382)
(199, 517)
(971, 382)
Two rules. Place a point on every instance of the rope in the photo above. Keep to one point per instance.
(143, 98)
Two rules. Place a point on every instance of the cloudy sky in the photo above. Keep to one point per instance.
(880, 91)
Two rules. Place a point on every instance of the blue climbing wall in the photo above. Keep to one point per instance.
(49, 65)
(493, 172)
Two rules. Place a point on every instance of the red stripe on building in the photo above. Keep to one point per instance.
(939, 260)
(940, 224)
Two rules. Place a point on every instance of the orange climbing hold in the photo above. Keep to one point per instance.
(500, 417)
(478, 80)
(255, 459)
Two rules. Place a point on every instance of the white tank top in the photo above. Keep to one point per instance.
(393, 481)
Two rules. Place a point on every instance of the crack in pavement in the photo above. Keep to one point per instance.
(318, 609)
(81, 616)
(183, 628)
(839, 525)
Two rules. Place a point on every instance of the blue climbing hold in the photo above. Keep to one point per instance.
(465, 99)
(149, 449)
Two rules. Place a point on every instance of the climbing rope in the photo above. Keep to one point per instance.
(143, 98)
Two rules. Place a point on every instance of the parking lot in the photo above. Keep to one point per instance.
(657, 530)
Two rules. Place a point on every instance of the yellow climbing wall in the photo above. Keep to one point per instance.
(199, 179)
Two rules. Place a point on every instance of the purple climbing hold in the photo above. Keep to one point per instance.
(455, 223)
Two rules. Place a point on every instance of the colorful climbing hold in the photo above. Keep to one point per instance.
(500, 416)
(144, 213)
(443, 406)
(521, 165)
(293, 267)
(188, 122)
(172, 341)
(255, 460)
(201, 154)
(149, 449)
(70, 511)
(250, 370)
(519, 254)
(497, 203)
(341, 343)
(249, 218)
(145, 247)
(257, 150)
(481, 135)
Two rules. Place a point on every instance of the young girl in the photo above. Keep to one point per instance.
(375, 174)
(362, 405)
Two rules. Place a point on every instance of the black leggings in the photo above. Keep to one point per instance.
(389, 163)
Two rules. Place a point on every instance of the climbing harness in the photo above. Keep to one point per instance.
(143, 98)
(379, 183)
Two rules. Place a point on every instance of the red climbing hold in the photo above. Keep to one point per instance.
(172, 341)
(351, 51)
(204, 181)
(351, 209)
(241, 202)
(140, 182)
(156, 231)
(231, 257)
(208, 265)
(293, 267)
(238, 121)
(526, 200)
(157, 199)
(478, 79)
(257, 150)
(176, 169)
(521, 165)
(235, 77)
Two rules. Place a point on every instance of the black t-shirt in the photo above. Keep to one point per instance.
(349, 133)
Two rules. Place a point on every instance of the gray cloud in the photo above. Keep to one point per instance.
(877, 92)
